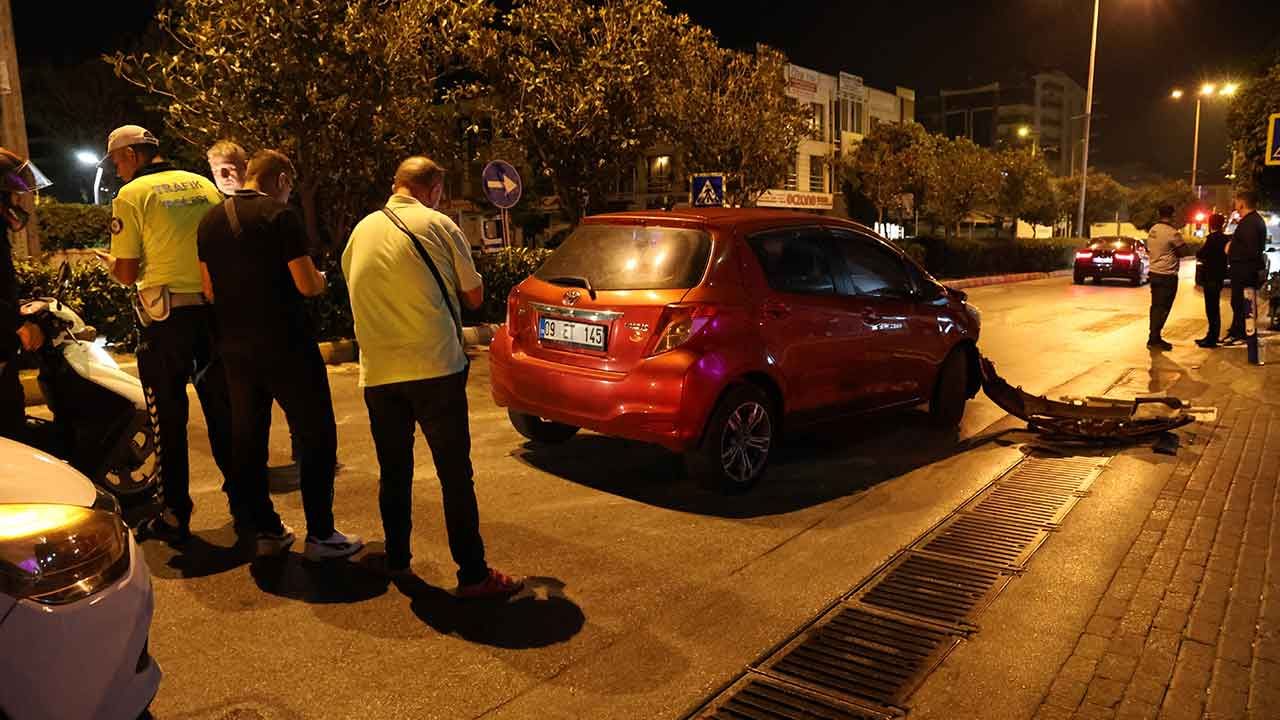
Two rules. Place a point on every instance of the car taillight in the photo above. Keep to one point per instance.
(1084, 254)
(1124, 257)
(513, 310)
(678, 324)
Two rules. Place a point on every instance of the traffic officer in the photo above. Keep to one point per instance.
(153, 246)
(18, 177)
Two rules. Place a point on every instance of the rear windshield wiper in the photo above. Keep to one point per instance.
(574, 280)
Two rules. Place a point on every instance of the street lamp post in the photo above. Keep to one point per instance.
(88, 159)
(1088, 115)
(1024, 132)
(1206, 90)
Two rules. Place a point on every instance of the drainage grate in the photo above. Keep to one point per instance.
(863, 655)
(761, 698)
(936, 589)
(876, 646)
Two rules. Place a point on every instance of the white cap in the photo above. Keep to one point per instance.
(127, 135)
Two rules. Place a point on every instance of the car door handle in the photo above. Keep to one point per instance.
(775, 310)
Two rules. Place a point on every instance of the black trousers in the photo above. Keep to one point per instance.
(172, 353)
(1213, 308)
(13, 403)
(1240, 281)
(439, 407)
(294, 376)
(1164, 288)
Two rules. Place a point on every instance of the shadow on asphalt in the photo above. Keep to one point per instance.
(538, 616)
(811, 466)
(207, 553)
(321, 583)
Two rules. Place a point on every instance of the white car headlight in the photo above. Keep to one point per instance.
(57, 554)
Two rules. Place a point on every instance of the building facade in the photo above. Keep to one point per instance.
(1047, 107)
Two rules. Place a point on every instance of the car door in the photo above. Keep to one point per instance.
(885, 338)
(798, 314)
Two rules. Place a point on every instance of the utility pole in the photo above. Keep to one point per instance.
(13, 123)
(1088, 116)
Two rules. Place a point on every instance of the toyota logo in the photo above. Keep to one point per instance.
(571, 297)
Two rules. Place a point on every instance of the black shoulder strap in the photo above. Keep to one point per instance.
(230, 205)
(435, 272)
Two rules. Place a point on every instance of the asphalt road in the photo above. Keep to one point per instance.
(645, 591)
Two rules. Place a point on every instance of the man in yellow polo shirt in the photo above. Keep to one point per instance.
(153, 247)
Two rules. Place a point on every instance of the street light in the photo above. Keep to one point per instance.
(1024, 132)
(86, 158)
(1088, 117)
(1207, 90)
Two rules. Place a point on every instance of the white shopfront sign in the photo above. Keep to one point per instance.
(802, 83)
(796, 199)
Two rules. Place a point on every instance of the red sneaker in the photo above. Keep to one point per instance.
(496, 585)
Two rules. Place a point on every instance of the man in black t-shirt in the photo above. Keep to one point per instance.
(253, 256)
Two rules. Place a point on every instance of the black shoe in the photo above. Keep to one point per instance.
(1158, 344)
(1232, 340)
(167, 527)
(1207, 342)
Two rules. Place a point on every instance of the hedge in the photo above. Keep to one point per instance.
(69, 226)
(960, 257)
(106, 305)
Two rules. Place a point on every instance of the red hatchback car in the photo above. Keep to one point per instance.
(708, 331)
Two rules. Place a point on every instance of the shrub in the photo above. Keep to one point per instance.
(958, 257)
(91, 292)
(68, 226)
(502, 271)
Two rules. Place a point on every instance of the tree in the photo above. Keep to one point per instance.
(1105, 198)
(891, 161)
(346, 89)
(1145, 201)
(1026, 189)
(734, 116)
(1247, 126)
(964, 177)
(585, 87)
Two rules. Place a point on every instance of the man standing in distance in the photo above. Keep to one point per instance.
(1246, 254)
(1166, 248)
(153, 246)
(407, 266)
(253, 257)
(18, 177)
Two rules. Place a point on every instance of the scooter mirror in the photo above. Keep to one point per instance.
(64, 275)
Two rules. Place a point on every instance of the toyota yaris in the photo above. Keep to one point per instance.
(75, 597)
(710, 331)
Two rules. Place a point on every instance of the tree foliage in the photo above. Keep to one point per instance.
(346, 89)
(1145, 201)
(890, 162)
(584, 87)
(964, 177)
(733, 116)
(1247, 127)
(1026, 188)
(1105, 198)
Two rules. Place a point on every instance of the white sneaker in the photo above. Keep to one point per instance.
(270, 543)
(335, 546)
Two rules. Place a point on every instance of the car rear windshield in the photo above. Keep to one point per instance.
(629, 257)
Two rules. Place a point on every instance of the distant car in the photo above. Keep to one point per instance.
(75, 597)
(1120, 258)
(706, 331)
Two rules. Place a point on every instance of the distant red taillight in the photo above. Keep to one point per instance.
(513, 311)
(1124, 257)
(1084, 254)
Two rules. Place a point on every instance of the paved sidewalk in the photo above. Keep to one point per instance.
(1190, 625)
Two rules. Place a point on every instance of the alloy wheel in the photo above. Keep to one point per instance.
(744, 446)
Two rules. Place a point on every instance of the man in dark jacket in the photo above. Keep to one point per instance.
(1213, 273)
(18, 177)
(1245, 253)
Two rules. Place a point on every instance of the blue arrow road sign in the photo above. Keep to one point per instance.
(1273, 139)
(706, 190)
(501, 184)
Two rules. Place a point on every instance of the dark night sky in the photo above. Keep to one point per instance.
(1145, 48)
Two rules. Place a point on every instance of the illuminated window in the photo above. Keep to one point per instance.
(819, 121)
(817, 174)
(660, 173)
(792, 181)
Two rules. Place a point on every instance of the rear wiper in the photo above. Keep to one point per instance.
(576, 280)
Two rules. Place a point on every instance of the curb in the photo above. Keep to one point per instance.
(334, 352)
(963, 283)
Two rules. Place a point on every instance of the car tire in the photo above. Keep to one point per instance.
(1078, 279)
(1135, 281)
(950, 391)
(539, 430)
(738, 441)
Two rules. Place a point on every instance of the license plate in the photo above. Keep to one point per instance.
(577, 334)
(1102, 261)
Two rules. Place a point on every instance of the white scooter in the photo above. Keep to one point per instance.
(101, 424)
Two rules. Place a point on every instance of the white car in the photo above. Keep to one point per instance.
(75, 597)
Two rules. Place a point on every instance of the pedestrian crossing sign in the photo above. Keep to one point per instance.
(1273, 139)
(706, 190)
